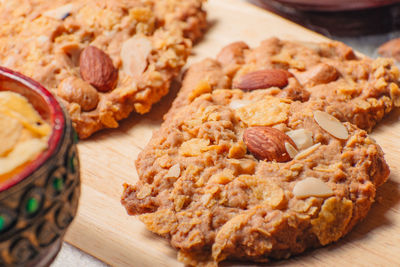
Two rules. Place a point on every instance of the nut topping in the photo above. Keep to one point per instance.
(76, 90)
(319, 74)
(291, 150)
(96, 68)
(330, 124)
(302, 138)
(312, 187)
(308, 151)
(174, 171)
(267, 143)
(134, 54)
(263, 79)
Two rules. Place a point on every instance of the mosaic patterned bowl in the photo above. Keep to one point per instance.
(38, 203)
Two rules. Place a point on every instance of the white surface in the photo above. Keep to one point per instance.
(70, 256)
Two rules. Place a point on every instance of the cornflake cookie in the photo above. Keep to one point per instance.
(390, 49)
(105, 58)
(246, 176)
(356, 89)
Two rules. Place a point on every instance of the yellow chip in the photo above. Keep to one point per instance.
(18, 107)
(22, 153)
(268, 111)
(10, 131)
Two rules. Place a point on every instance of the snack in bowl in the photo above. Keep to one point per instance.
(354, 88)
(23, 133)
(242, 175)
(39, 172)
(104, 59)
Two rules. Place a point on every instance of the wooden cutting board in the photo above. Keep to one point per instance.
(104, 230)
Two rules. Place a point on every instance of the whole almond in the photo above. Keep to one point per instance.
(263, 79)
(267, 143)
(76, 90)
(96, 68)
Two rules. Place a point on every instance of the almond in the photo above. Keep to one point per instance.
(308, 151)
(96, 68)
(76, 90)
(174, 171)
(319, 74)
(267, 143)
(311, 187)
(302, 138)
(292, 151)
(134, 54)
(263, 79)
(330, 124)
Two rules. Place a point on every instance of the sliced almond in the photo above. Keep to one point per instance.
(302, 138)
(60, 12)
(312, 187)
(134, 54)
(238, 103)
(291, 150)
(307, 151)
(174, 171)
(330, 124)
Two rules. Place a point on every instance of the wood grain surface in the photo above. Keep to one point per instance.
(104, 230)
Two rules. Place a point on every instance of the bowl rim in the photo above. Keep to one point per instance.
(57, 122)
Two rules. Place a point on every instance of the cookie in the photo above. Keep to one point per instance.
(104, 59)
(240, 175)
(356, 89)
(391, 49)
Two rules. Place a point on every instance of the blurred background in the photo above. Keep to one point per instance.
(362, 24)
